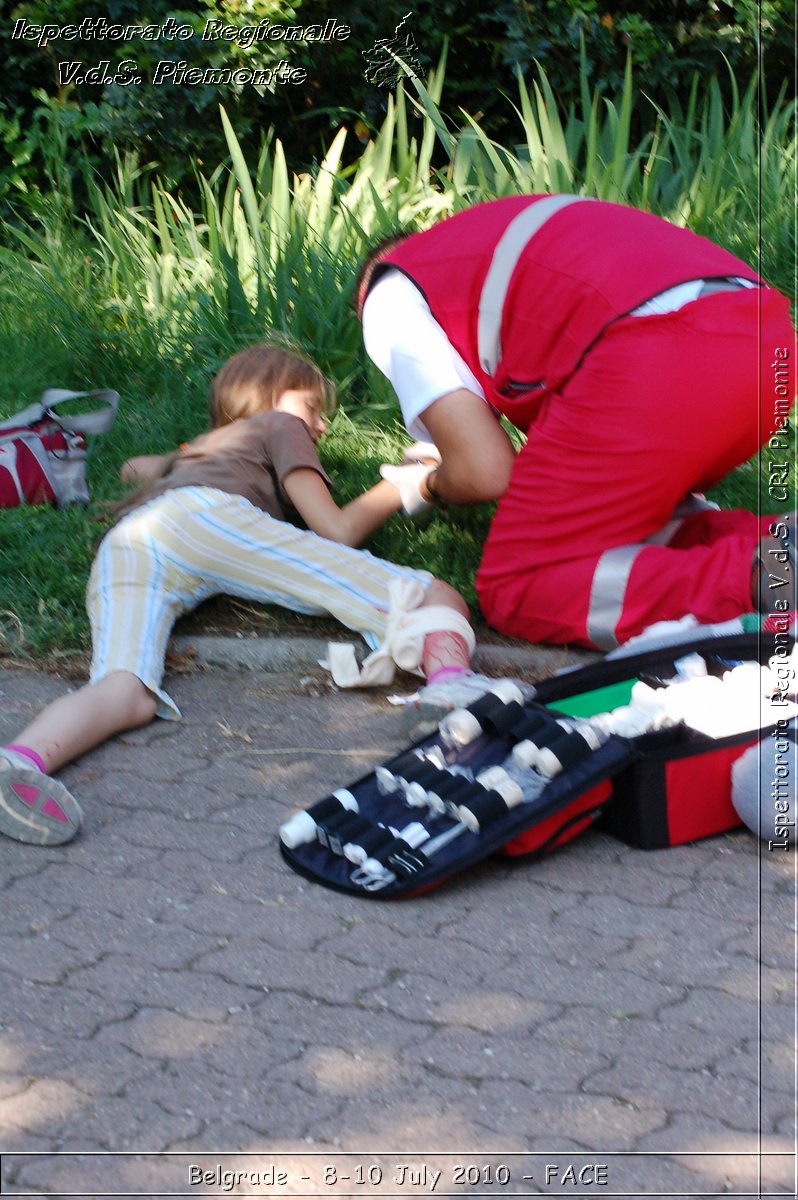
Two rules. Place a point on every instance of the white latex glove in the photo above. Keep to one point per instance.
(407, 479)
(422, 452)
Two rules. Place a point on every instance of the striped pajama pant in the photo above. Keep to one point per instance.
(188, 544)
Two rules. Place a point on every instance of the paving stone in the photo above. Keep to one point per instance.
(42, 1106)
(617, 992)
(169, 943)
(470, 1054)
(42, 958)
(169, 983)
(28, 1009)
(644, 1040)
(686, 1130)
(190, 1091)
(697, 1090)
(711, 1009)
(721, 1160)
(328, 977)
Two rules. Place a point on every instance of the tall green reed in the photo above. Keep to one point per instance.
(271, 249)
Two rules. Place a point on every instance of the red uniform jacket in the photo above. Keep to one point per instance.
(589, 264)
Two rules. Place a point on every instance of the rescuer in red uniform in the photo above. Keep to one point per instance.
(639, 359)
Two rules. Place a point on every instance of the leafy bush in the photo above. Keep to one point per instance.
(174, 125)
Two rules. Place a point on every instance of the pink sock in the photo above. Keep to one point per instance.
(26, 752)
(445, 674)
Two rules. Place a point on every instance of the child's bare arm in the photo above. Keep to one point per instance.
(350, 524)
(145, 468)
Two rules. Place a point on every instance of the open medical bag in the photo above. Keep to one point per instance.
(423, 816)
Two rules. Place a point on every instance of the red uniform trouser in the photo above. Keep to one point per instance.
(661, 406)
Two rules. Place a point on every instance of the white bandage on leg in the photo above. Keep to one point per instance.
(403, 645)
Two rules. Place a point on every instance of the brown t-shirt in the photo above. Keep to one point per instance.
(250, 457)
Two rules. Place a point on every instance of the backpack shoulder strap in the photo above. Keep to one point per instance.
(28, 416)
(99, 421)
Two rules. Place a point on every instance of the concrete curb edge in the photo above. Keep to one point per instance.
(279, 653)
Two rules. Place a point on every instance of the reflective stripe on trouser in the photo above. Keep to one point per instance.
(172, 553)
(612, 573)
(662, 406)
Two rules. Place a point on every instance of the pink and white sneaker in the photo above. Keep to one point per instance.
(34, 807)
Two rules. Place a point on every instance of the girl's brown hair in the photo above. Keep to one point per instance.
(253, 380)
(250, 382)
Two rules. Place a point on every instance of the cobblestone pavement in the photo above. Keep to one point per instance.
(168, 984)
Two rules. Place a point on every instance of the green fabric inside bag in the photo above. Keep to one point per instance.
(601, 700)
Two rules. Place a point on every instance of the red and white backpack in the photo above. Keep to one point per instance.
(43, 453)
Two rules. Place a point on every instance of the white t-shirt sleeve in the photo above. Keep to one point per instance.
(403, 339)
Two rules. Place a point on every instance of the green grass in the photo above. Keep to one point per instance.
(149, 297)
(50, 337)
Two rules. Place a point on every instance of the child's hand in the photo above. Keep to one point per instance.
(422, 452)
(407, 479)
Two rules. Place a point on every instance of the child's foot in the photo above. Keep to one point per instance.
(35, 807)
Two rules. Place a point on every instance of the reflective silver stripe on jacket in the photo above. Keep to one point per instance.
(611, 577)
(507, 253)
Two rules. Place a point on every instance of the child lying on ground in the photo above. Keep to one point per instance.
(219, 517)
